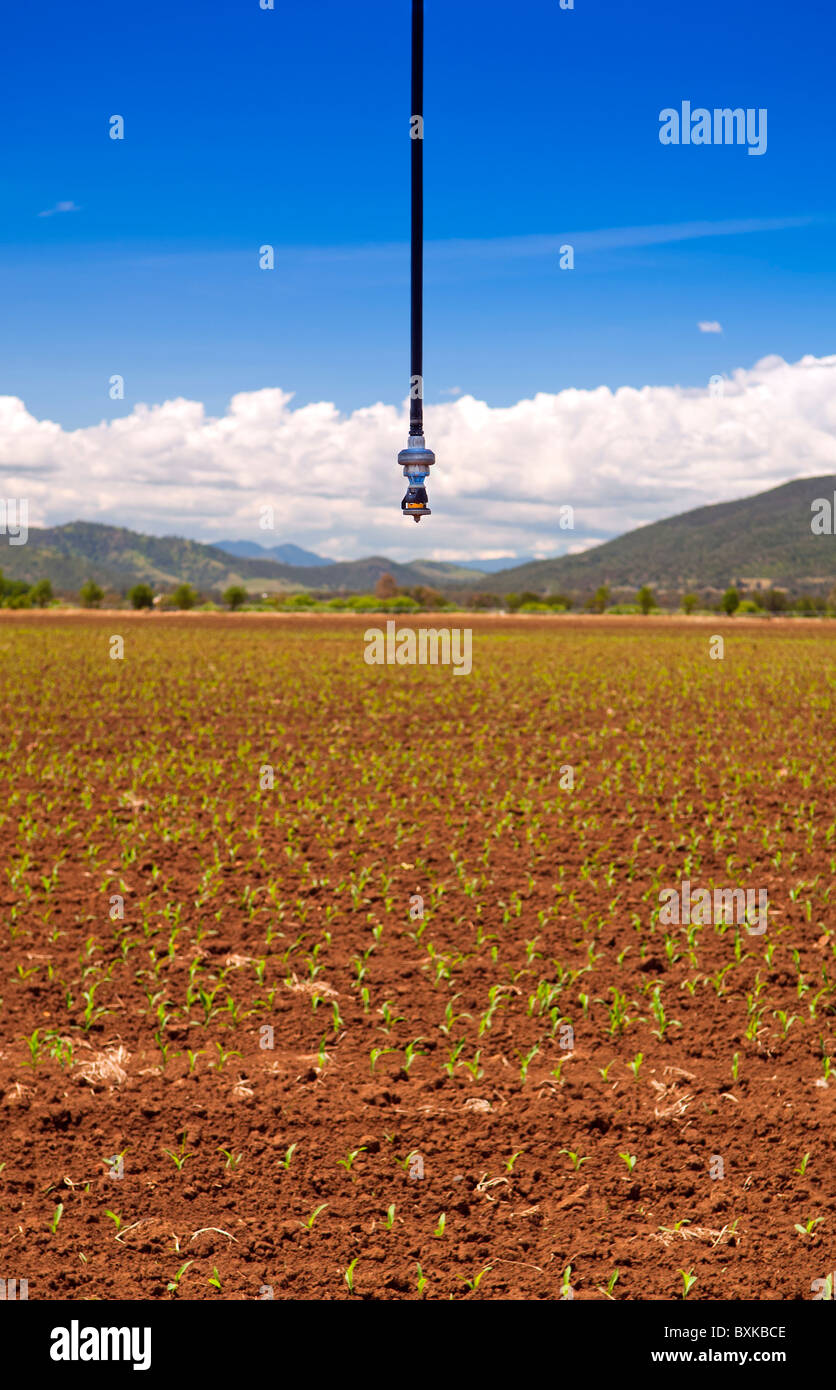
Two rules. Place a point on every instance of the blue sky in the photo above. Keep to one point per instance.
(290, 127)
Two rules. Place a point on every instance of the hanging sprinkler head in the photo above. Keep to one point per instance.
(416, 459)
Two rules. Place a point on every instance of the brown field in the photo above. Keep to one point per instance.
(534, 1085)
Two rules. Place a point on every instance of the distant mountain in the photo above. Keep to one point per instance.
(767, 536)
(290, 554)
(503, 562)
(287, 554)
(117, 558)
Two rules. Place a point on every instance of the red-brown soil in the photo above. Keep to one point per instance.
(249, 908)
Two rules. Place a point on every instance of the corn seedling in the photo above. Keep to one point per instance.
(410, 1053)
(389, 1019)
(348, 1162)
(809, 1227)
(574, 1158)
(376, 1054)
(117, 1220)
(309, 1224)
(174, 1284)
(472, 1284)
(526, 1062)
(178, 1158)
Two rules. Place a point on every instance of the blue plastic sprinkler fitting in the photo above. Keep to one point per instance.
(417, 460)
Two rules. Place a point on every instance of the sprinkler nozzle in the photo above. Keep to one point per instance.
(416, 460)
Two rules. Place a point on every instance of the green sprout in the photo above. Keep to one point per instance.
(375, 1055)
(174, 1285)
(575, 1159)
(809, 1227)
(179, 1158)
(348, 1162)
(410, 1054)
(309, 1224)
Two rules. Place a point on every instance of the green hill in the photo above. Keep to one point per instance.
(117, 558)
(767, 536)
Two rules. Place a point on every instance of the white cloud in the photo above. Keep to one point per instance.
(709, 326)
(69, 206)
(620, 458)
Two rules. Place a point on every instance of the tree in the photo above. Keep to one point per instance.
(41, 594)
(235, 595)
(515, 601)
(14, 588)
(141, 596)
(481, 600)
(184, 596)
(600, 599)
(775, 601)
(385, 587)
(426, 596)
(689, 602)
(645, 599)
(730, 601)
(90, 594)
